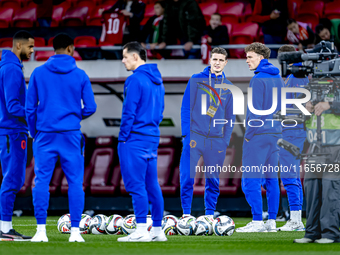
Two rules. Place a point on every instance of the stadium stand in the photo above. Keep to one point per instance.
(85, 41)
(75, 16)
(25, 17)
(6, 42)
(332, 10)
(231, 12)
(6, 15)
(310, 12)
(15, 4)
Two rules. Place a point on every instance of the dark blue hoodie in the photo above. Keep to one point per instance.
(54, 95)
(191, 116)
(143, 104)
(265, 79)
(12, 95)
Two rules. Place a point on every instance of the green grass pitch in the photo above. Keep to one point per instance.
(238, 243)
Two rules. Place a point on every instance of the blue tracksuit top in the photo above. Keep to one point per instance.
(265, 79)
(293, 82)
(191, 116)
(12, 95)
(55, 94)
(143, 104)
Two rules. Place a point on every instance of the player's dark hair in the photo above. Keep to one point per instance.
(290, 21)
(287, 48)
(219, 50)
(22, 35)
(258, 48)
(62, 41)
(161, 3)
(137, 48)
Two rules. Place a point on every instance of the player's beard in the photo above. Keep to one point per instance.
(23, 56)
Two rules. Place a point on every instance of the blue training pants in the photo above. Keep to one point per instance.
(138, 163)
(291, 178)
(259, 158)
(69, 147)
(13, 155)
(213, 151)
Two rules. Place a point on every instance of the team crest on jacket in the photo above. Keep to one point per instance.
(193, 143)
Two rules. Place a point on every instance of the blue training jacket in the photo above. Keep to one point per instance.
(191, 116)
(265, 79)
(143, 104)
(54, 96)
(293, 82)
(12, 95)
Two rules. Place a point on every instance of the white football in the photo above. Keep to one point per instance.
(97, 224)
(186, 225)
(129, 224)
(169, 223)
(84, 224)
(64, 224)
(223, 226)
(113, 225)
(203, 226)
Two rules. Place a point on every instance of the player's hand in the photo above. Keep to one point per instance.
(321, 107)
(126, 13)
(162, 45)
(310, 107)
(209, 39)
(153, 46)
(274, 14)
(188, 46)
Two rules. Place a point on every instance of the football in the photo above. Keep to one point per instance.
(97, 224)
(84, 224)
(169, 223)
(113, 225)
(223, 226)
(186, 225)
(203, 226)
(64, 224)
(129, 224)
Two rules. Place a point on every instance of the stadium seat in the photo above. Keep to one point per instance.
(75, 16)
(39, 42)
(109, 2)
(208, 9)
(213, 1)
(173, 187)
(85, 41)
(57, 15)
(293, 8)
(89, 3)
(112, 186)
(6, 15)
(231, 12)
(43, 55)
(31, 4)
(332, 10)
(6, 42)
(244, 33)
(26, 188)
(149, 12)
(25, 17)
(50, 42)
(310, 12)
(95, 17)
(15, 4)
(229, 27)
(248, 12)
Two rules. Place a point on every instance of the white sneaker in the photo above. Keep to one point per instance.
(270, 225)
(292, 226)
(40, 236)
(76, 237)
(253, 226)
(136, 237)
(158, 238)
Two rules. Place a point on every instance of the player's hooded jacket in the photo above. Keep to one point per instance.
(265, 79)
(59, 82)
(12, 95)
(143, 104)
(191, 116)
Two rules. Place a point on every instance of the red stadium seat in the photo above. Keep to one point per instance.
(6, 42)
(244, 33)
(208, 8)
(72, 2)
(43, 55)
(6, 15)
(89, 3)
(85, 41)
(310, 12)
(248, 12)
(50, 42)
(95, 17)
(76, 56)
(293, 8)
(25, 17)
(109, 2)
(15, 4)
(26, 188)
(31, 4)
(39, 42)
(173, 187)
(229, 27)
(75, 16)
(112, 186)
(213, 1)
(149, 12)
(231, 12)
(57, 15)
(332, 10)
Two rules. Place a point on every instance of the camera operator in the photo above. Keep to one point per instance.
(322, 189)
